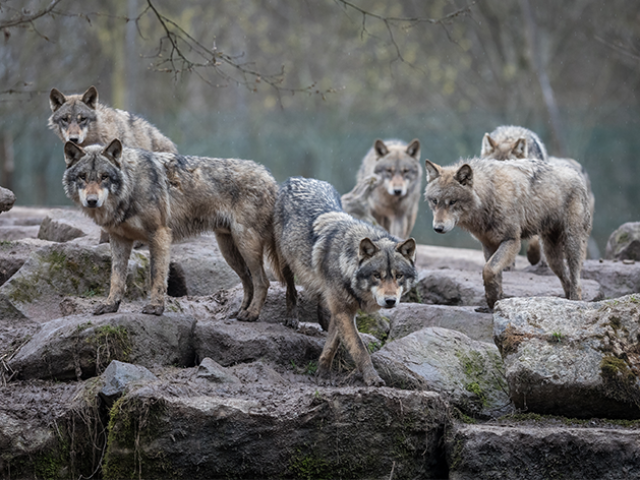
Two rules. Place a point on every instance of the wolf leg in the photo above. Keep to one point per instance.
(534, 252)
(120, 252)
(236, 262)
(251, 247)
(291, 319)
(328, 351)
(554, 252)
(492, 271)
(344, 323)
(160, 250)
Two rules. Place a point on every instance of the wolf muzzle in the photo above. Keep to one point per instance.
(93, 198)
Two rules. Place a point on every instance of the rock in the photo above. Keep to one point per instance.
(455, 287)
(306, 432)
(214, 372)
(513, 452)
(624, 243)
(431, 257)
(58, 270)
(258, 372)
(617, 279)
(25, 216)
(13, 254)
(18, 232)
(467, 373)
(231, 342)
(571, 358)
(64, 225)
(410, 317)
(7, 199)
(82, 346)
(119, 376)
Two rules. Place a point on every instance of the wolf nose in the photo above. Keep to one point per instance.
(397, 191)
(439, 228)
(390, 302)
(92, 201)
(73, 139)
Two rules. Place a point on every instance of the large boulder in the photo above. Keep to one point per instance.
(624, 243)
(411, 317)
(468, 373)
(571, 358)
(617, 279)
(13, 254)
(304, 432)
(58, 270)
(82, 346)
(540, 452)
(64, 225)
(463, 288)
(7, 199)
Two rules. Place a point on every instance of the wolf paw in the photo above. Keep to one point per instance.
(153, 309)
(373, 380)
(291, 322)
(246, 316)
(106, 308)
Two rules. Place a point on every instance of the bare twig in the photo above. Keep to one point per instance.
(23, 17)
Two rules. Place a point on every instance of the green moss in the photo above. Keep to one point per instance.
(616, 368)
(615, 322)
(111, 342)
(623, 237)
(120, 456)
(374, 324)
(309, 467)
(6, 244)
(23, 291)
(412, 296)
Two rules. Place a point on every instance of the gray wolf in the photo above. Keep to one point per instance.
(348, 264)
(156, 198)
(84, 121)
(513, 143)
(510, 142)
(395, 200)
(502, 202)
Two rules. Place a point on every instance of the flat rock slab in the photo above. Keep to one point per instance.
(306, 432)
(570, 358)
(82, 346)
(14, 253)
(431, 257)
(468, 373)
(64, 225)
(230, 342)
(58, 270)
(465, 288)
(411, 317)
(514, 452)
(617, 278)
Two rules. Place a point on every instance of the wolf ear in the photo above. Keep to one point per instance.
(367, 249)
(72, 153)
(113, 151)
(408, 249)
(464, 175)
(90, 97)
(56, 99)
(488, 145)
(433, 170)
(413, 150)
(380, 148)
(519, 148)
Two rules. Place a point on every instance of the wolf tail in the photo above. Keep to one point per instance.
(277, 263)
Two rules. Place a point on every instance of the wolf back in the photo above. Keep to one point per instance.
(347, 263)
(160, 197)
(502, 202)
(84, 121)
(394, 201)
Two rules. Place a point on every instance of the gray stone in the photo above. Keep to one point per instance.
(410, 317)
(431, 257)
(214, 372)
(58, 270)
(231, 342)
(306, 432)
(624, 243)
(64, 225)
(7, 199)
(468, 373)
(514, 452)
(617, 278)
(571, 358)
(258, 372)
(18, 232)
(119, 376)
(82, 346)
(465, 288)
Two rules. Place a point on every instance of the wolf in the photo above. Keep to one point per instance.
(156, 198)
(348, 264)
(395, 200)
(84, 121)
(513, 143)
(502, 202)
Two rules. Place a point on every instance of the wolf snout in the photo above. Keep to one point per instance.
(390, 302)
(92, 201)
(397, 192)
(439, 229)
(74, 139)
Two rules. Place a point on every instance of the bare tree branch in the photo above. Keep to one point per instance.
(22, 17)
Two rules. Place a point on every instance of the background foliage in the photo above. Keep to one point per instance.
(305, 87)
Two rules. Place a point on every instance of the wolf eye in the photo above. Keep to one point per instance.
(452, 202)
(82, 176)
(399, 276)
(104, 176)
(434, 201)
(81, 119)
(376, 275)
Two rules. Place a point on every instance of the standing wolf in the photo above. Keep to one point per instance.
(347, 263)
(513, 143)
(502, 202)
(82, 120)
(159, 197)
(394, 201)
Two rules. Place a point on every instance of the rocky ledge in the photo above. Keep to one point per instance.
(542, 388)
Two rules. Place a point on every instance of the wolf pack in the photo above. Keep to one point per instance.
(350, 253)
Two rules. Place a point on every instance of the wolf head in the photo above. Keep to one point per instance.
(398, 167)
(505, 150)
(449, 193)
(92, 173)
(386, 269)
(74, 116)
